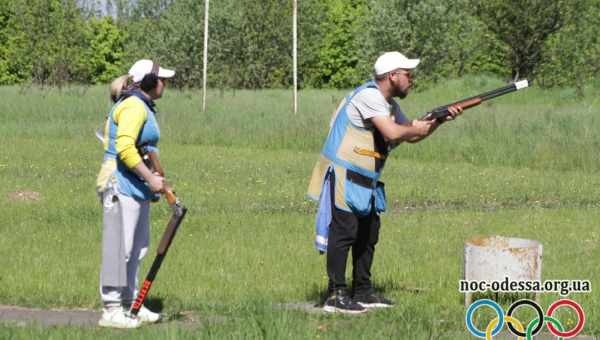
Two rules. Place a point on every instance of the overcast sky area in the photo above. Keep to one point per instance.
(100, 5)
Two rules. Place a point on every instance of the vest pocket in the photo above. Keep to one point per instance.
(380, 203)
(358, 192)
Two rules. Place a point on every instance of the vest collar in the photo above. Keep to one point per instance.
(138, 93)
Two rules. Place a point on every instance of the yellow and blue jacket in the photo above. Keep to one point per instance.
(131, 123)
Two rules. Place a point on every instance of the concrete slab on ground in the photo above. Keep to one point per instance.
(23, 316)
(48, 317)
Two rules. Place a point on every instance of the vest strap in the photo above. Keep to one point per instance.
(359, 179)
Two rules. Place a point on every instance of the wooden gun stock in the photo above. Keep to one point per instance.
(169, 195)
(469, 103)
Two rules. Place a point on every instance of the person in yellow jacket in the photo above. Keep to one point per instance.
(126, 186)
(366, 126)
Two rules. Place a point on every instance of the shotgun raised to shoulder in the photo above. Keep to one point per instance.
(442, 111)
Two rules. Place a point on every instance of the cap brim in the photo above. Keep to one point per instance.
(165, 73)
(410, 63)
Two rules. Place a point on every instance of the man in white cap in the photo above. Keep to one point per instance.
(126, 185)
(365, 127)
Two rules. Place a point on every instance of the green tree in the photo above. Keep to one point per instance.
(225, 54)
(171, 34)
(13, 67)
(572, 55)
(250, 44)
(54, 38)
(449, 41)
(311, 15)
(339, 53)
(524, 25)
(266, 29)
(103, 59)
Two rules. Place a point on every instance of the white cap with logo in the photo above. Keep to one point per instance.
(145, 66)
(390, 61)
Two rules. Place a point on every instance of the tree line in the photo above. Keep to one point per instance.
(57, 42)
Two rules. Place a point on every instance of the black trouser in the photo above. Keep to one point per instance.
(359, 232)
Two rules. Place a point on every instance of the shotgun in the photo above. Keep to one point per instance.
(179, 212)
(442, 112)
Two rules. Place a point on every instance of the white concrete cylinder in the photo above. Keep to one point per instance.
(495, 258)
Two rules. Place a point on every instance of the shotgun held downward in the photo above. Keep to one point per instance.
(179, 212)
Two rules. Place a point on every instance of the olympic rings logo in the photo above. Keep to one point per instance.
(517, 328)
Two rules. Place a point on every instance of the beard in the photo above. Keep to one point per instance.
(398, 90)
(400, 93)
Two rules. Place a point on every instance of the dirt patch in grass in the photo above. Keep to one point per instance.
(25, 195)
(300, 306)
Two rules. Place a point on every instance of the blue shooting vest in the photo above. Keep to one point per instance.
(129, 183)
(357, 188)
(356, 174)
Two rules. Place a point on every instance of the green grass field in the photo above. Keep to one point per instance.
(525, 165)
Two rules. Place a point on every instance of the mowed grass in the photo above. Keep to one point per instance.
(524, 166)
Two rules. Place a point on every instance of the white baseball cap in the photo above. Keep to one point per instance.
(144, 66)
(390, 61)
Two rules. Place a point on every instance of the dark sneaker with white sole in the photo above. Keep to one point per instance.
(373, 301)
(341, 302)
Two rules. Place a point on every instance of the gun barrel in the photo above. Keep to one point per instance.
(504, 90)
(442, 111)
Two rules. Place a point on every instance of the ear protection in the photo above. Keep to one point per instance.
(150, 80)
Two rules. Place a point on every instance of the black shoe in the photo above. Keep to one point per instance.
(341, 302)
(373, 300)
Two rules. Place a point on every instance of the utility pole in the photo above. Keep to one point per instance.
(205, 53)
(295, 56)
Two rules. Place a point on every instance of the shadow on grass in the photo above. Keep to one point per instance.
(389, 286)
(154, 304)
(319, 293)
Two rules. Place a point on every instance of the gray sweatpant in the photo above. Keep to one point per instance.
(125, 238)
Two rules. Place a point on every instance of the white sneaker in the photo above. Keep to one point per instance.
(117, 318)
(147, 316)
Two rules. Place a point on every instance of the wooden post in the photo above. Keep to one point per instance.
(295, 56)
(205, 54)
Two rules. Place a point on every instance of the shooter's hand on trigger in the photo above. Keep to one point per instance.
(455, 111)
(423, 127)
